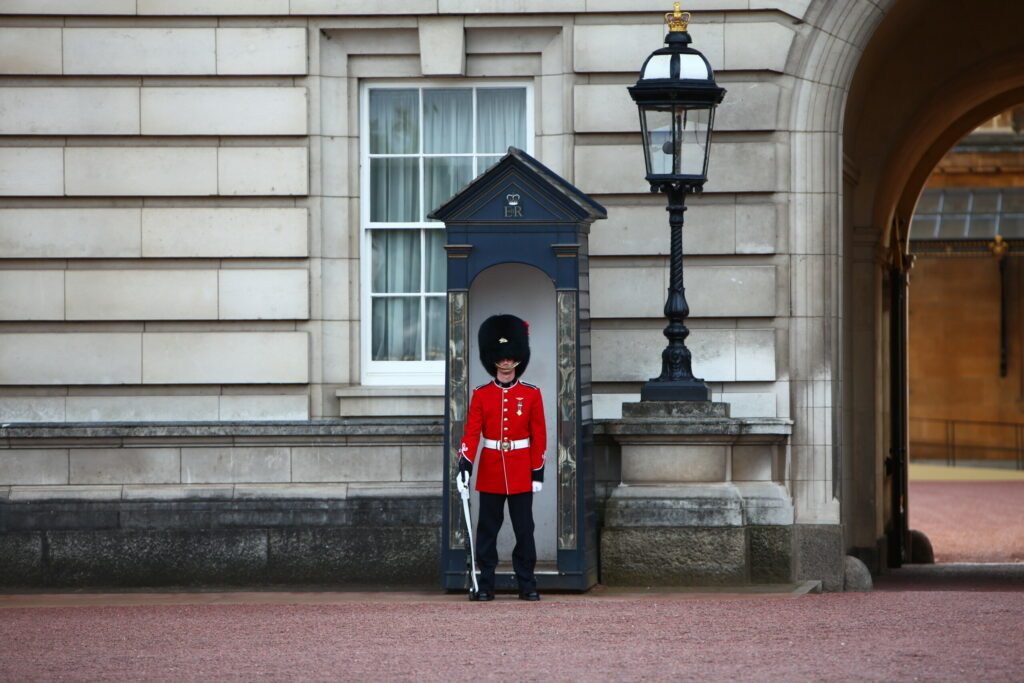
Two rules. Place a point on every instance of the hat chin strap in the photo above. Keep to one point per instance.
(513, 366)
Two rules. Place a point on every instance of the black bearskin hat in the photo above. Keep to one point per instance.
(501, 337)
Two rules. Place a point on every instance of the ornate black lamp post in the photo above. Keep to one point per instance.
(676, 96)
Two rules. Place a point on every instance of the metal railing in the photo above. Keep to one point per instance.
(960, 440)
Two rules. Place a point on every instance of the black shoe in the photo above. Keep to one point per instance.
(482, 596)
(532, 596)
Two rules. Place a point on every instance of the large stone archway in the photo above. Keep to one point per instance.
(883, 90)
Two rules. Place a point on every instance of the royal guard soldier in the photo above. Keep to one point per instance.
(509, 414)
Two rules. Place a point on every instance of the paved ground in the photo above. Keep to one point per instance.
(949, 622)
(966, 518)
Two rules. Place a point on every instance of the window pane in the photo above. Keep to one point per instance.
(952, 228)
(982, 227)
(444, 177)
(955, 201)
(448, 121)
(985, 202)
(395, 261)
(922, 228)
(394, 190)
(929, 201)
(1013, 201)
(501, 119)
(436, 275)
(1012, 227)
(484, 163)
(396, 328)
(394, 122)
(435, 327)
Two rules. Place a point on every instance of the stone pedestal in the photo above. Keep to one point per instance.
(701, 500)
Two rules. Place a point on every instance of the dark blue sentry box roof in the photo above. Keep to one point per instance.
(519, 188)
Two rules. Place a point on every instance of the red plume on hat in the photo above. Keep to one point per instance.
(504, 337)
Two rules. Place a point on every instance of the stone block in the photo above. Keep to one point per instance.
(731, 291)
(225, 358)
(347, 464)
(141, 294)
(69, 111)
(422, 463)
(765, 503)
(31, 171)
(69, 233)
(663, 464)
(125, 466)
(269, 407)
(235, 464)
(624, 48)
(627, 292)
(223, 232)
(749, 404)
(820, 555)
(644, 230)
(171, 492)
(754, 46)
(500, 6)
(31, 409)
(442, 46)
(162, 557)
(30, 51)
(31, 294)
(399, 556)
(263, 294)
(91, 7)
(224, 111)
(755, 355)
(748, 107)
(140, 51)
(734, 167)
(142, 408)
(771, 554)
(70, 358)
(336, 361)
(680, 505)
(263, 170)
(65, 493)
(335, 162)
(33, 466)
(337, 286)
(291, 491)
(673, 556)
(752, 462)
(185, 8)
(132, 171)
(21, 559)
(300, 7)
(261, 51)
(390, 401)
(856, 577)
(756, 228)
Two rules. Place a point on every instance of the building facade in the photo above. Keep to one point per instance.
(221, 304)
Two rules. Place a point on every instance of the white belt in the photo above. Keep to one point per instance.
(507, 444)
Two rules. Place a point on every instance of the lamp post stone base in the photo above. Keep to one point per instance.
(702, 499)
(683, 390)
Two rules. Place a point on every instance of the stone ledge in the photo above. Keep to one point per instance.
(700, 505)
(391, 401)
(334, 427)
(218, 492)
(719, 430)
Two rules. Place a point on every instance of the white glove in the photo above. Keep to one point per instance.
(537, 486)
(462, 481)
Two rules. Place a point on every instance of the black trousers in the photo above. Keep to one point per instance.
(524, 555)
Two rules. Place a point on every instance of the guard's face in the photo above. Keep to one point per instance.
(506, 365)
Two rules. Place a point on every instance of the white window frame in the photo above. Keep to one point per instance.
(423, 372)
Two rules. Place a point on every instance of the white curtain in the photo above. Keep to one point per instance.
(396, 269)
(501, 119)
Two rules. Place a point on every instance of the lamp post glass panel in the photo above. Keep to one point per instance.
(676, 96)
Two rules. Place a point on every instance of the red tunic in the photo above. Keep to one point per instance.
(514, 413)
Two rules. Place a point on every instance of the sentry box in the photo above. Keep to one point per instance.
(517, 243)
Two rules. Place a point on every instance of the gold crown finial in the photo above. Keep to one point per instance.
(999, 247)
(677, 20)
